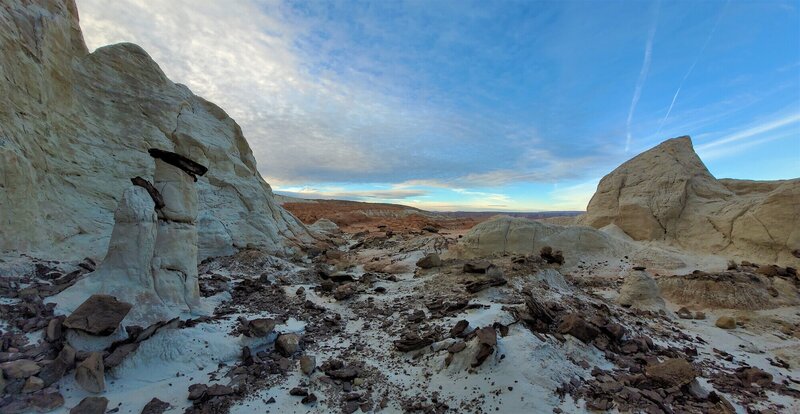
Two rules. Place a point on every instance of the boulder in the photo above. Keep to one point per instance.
(89, 373)
(640, 290)
(726, 322)
(430, 261)
(98, 315)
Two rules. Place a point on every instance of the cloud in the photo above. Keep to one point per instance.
(752, 131)
(637, 92)
(691, 68)
(319, 104)
(367, 195)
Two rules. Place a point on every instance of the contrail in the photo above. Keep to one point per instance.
(648, 50)
(691, 68)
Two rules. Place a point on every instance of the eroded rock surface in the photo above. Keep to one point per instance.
(78, 125)
(667, 193)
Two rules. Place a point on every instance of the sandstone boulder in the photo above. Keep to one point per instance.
(90, 405)
(640, 290)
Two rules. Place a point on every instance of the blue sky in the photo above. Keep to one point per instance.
(456, 105)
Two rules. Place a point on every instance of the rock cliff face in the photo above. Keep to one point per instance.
(668, 194)
(76, 126)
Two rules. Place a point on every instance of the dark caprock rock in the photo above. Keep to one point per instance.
(190, 167)
(98, 315)
(154, 194)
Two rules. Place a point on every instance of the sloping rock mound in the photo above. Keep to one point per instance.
(730, 290)
(505, 234)
(78, 125)
(667, 193)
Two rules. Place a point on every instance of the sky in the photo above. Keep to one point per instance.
(461, 105)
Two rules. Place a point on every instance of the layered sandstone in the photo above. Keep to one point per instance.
(668, 194)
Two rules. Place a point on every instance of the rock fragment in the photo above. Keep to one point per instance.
(89, 373)
(90, 405)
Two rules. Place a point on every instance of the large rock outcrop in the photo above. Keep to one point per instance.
(668, 194)
(76, 126)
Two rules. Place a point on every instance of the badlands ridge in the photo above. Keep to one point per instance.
(147, 267)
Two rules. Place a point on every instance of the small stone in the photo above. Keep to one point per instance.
(53, 332)
(699, 315)
(287, 344)
(726, 322)
(197, 391)
(344, 292)
(459, 328)
(217, 390)
(261, 327)
(457, 347)
(309, 399)
(90, 405)
(89, 373)
(298, 392)
(307, 364)
(684, 313)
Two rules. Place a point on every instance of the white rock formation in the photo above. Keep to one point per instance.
(667, 194)
(76, 126)
(640, 290)
(505, 234)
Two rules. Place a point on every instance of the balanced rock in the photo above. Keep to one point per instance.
(98, 315)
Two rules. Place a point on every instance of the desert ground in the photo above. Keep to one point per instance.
(162, 275)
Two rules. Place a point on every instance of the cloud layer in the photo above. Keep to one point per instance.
(436, 102)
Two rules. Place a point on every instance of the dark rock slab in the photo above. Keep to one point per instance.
(99, 315)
